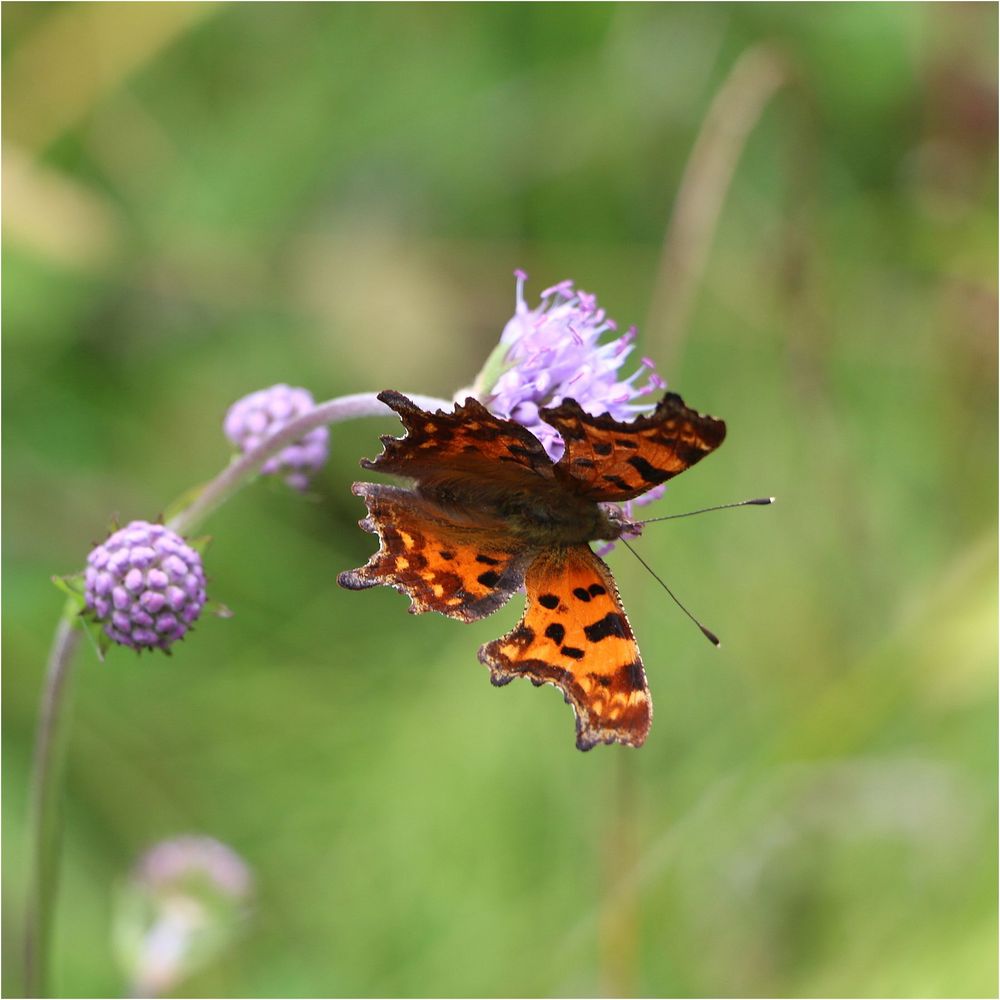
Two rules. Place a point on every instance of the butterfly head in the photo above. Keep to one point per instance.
(614, 523)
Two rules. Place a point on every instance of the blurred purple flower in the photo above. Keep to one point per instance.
(145, 585)
(254, 418)
(170, 864)
(182, 906)
(554, 352)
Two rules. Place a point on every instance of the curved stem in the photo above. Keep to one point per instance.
(50, 740)
(43, 829)
(244, 468)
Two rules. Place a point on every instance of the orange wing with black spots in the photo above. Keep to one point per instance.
(469, 441)
(610, 460)
(575, 635)
(441, 566)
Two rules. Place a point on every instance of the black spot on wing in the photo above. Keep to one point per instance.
(617, 481)
(581, 594)
(487, 560)
(489, 579)
(446, 555)
(556, 633)
(634, 677)
(603, 448)
(549, 601)
(626, 443)
(572, 652)
(612, 624)
(649, 473)
(596, 590)
(603, 679)
(691, 453)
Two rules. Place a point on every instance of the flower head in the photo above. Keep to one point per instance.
(173, 865)
(146, 585)
(182, 905)
(254, 418)
(558, 351)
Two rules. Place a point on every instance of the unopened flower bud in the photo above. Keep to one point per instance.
(145, 585)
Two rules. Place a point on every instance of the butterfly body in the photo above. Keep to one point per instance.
(489, 512)
(536, 519)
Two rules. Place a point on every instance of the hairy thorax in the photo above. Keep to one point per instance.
(538, 517)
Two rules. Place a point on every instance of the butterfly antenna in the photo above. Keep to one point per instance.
(758, 502)
(707, 633)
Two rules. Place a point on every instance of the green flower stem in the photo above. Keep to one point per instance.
(49, 760)
(43, 830)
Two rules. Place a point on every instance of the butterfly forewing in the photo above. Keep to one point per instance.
(611, 460)
(470, 442)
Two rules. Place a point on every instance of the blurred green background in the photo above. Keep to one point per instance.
(204, 200)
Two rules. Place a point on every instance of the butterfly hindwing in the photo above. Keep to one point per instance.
(451, 568)
(610, 460)
(575, 635)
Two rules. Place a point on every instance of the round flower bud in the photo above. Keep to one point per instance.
(256, 417)
(146, 585)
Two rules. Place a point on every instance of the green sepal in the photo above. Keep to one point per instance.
(95, 633)
(200, 544)
(76, 612)
(496, 364)
(182, 502)
(73, 587)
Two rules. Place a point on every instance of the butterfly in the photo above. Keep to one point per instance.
(489, 513)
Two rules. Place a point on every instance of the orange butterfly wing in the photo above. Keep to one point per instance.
(575, 635)
(607, 459)
(452, 568)
(469, 441)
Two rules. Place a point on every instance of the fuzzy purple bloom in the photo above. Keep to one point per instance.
(145, 585)
(256, 417)
(183, 906)
(167, 866)
(555, 352)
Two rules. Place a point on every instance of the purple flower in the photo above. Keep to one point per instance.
(184, 904)
(558, 350)
(170, 864)
(256, 417)
(145, 585)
